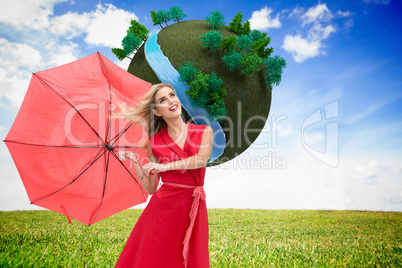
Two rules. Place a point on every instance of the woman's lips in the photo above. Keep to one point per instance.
(177, 106)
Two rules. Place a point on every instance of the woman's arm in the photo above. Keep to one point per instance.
(193, 162)
(147, 181)
(150, 184)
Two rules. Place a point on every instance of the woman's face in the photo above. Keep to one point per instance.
(166, 102)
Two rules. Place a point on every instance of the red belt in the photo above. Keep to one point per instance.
(198, 193)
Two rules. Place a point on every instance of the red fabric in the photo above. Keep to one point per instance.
(157, 238)
(57, 140)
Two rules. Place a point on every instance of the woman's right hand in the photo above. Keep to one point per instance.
(122, 155)
(126, 155)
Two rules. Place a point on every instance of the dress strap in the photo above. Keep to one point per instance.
(198, 193)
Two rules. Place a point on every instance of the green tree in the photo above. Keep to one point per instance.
(204, 89)
(246, 28)
(153, 16)
(228, 43)
(187, 72)
(216, 19)
(250, 63)
(216, 92)
(176, 13)
(211, 40)
(273, 70)
(214, 82)
(243, 43)
(260, 47)
(217, 109)
(162, 16)
(130, 43)
(120, 53)
(156, 19)
(199, 89)
(138, 29)
(236, 24)
(212, 101)
(232, 60)
(256, 35)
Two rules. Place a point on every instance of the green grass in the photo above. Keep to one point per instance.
(238, 238)
(180, 43)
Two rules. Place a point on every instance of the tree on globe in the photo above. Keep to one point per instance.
(216, 19)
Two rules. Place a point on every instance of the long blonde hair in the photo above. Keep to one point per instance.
(143, 110)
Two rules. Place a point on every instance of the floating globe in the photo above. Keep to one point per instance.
(248, 99)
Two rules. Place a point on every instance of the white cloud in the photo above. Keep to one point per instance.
(63, 53)
(296, 11)
(31, 14)
(317, 32)
(348, 24)
(16, 62)
(124, 63)
(261, 20)
(343, 14)
(105, 26)
(70, 25)
(395, 199)
(284, 129)
(301, 48)
(318, 13)
(372, 171)
(15, 54)
(367, 172)
(108, 26)
(47, 40)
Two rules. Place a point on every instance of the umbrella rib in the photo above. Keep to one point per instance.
(71, 106)
(114, 154)
(104, 186)
(56, 146)
(107, 135)
(93, 161)
(121, 146)
(117, 137)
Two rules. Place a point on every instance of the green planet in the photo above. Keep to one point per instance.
(248, 98)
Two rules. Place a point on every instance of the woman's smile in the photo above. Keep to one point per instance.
(174, 107)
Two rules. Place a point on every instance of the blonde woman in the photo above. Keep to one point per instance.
(172, 231)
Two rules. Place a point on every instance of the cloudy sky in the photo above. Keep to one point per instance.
(333, 136)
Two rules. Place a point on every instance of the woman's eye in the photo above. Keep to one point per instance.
(172, 94)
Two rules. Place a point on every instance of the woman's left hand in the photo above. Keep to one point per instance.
(152, 165)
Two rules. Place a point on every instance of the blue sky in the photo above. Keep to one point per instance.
(343, 63)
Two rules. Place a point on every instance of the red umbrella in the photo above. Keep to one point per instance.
(64, 140)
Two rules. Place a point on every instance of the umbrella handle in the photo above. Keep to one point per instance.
(157, 182)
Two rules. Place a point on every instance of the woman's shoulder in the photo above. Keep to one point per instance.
(195, 126)
(198, 130)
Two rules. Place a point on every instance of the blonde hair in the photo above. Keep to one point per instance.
(144, 110)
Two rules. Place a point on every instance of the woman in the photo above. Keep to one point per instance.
(172, 231)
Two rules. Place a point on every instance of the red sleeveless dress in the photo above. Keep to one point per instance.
(172, 231)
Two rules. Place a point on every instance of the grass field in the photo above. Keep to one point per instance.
(238, 238)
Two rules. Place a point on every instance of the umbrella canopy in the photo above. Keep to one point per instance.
(64, 140)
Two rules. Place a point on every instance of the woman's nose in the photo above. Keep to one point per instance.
(170, 100)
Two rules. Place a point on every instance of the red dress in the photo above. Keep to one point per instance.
(166, 235)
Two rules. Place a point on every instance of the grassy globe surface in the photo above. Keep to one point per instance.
(248, 99)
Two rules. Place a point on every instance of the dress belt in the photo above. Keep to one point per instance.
(198, 193)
